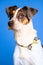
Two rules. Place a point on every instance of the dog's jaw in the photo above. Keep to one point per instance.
(26, 35)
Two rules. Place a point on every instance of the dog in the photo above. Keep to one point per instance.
(28, 49)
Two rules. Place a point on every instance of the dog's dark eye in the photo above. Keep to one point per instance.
(21, 16)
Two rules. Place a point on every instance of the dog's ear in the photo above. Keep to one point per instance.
(30, 12)
(11, 11)
(33, 11)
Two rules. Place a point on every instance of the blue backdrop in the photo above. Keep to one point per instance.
(7, 42)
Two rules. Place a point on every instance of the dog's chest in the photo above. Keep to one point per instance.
(36, 48)
(35, 54)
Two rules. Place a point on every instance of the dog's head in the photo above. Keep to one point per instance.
(20, 17)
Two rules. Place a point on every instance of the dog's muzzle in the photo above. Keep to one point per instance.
(10, 23)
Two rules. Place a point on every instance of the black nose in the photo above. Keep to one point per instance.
(10, 23)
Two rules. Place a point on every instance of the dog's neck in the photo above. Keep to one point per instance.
(26, 35)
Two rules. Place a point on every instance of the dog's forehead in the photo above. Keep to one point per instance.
(19, 11)
(24, 11)
(16, 12)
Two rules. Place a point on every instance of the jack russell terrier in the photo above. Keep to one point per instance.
(28, 49)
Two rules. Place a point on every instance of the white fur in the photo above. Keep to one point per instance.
(24, 35)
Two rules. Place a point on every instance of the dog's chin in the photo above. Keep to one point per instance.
(10, 28)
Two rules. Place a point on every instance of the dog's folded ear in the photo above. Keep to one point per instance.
(30, 12)
(33, 11)
(11, 10)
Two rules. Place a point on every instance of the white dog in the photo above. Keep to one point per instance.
(28, 49)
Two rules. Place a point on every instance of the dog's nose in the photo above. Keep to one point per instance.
(10, 23)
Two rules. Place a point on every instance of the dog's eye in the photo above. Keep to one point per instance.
(21, 16)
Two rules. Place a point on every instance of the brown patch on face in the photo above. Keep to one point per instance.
(11, 11)
(25, 21)
(22, 17)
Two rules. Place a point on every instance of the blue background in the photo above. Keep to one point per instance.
(7, 41)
